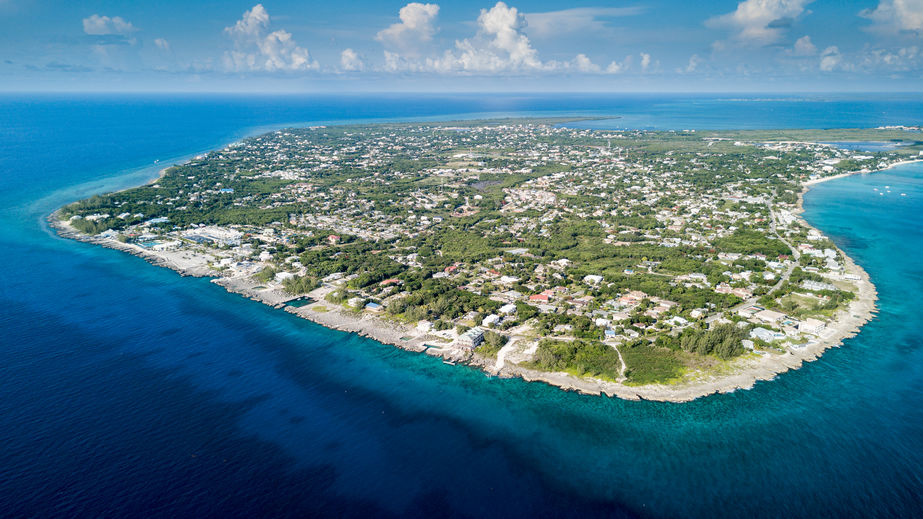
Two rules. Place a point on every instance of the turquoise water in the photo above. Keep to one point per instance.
(865, 146)
(126, 389)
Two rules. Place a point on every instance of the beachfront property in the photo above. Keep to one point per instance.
(470, 339)
(812, 326)
(532, 230)
(765, 335)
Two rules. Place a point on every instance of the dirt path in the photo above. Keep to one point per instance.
(624, 367)
(501, 355)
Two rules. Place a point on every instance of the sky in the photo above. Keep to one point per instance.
(462, 46)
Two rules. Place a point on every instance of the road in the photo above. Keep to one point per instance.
(782, 279)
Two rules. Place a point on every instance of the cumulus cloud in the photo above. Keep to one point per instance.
(394, 62)
(760, 22)
(258, 49)
(580, 19)
(350, 60)
(896, 16)
(694, 62)
(615, 67)
(645, 61)
(97, 25)
(416, 28)
(830, 59)
(871, 60)
(162, 44)
(499, 45)
(804, 47)
(584, 64)
(906, 59)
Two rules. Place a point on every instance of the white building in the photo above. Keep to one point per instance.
(508, 309)
(812, 326)
(764, 335)
(471, 339)
(592, 279)
(769, 316)
(491, 320)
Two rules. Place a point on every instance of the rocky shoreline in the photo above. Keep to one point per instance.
(746, 370)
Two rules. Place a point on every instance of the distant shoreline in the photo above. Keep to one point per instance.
(747, 370)
(807, 184)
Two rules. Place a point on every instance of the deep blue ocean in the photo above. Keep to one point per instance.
(127, 390)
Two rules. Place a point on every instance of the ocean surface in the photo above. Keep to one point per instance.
(127, 390)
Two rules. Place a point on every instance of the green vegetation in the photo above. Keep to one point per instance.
(493, 343)
(649, 364)
(300, 285)
(578, 357)
(752, 242)
(723, 341)
(632, 237)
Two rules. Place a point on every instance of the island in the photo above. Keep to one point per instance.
(656, 265)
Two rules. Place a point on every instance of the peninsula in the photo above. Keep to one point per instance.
(637, 264)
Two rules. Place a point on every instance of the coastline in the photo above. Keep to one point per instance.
(744, 371)
(808, 183)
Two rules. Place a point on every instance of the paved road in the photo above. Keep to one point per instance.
(782, 279)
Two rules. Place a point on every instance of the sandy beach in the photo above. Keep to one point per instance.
(742, 373)
(809, 183)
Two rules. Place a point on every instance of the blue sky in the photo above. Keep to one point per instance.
(616, 46)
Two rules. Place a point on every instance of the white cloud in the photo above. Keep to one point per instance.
(694, 62)
(759, 22)
(830, 58)
(162, 44)
(254, 23)
(416, 28)
(896, 16)
(906, 59)
(351, 61)
(804, 47)
(97, 25)
(645, 61)
(584, 64)
(499, 45)
(615, 67)
(257, 49)
(394, 62)
(580, 19)
(873, 60)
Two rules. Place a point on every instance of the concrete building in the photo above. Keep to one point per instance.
(769, 316)
(491, 320)
(471, 339)
(508, 309)
(812, 326)
(764, 335)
